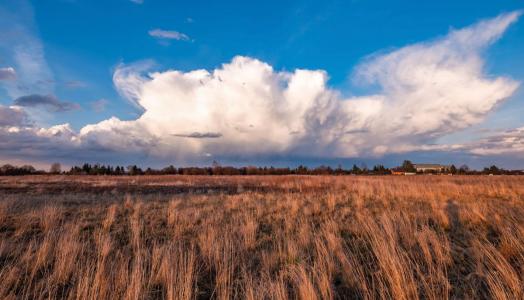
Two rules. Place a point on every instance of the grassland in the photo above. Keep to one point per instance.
(289, 237)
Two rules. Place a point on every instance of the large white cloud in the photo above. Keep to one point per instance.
(427, 90)
(245, 107)
(432, 89)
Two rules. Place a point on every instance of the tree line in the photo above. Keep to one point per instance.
(217, 169)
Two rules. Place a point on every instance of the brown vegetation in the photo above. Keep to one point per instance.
(291, 237)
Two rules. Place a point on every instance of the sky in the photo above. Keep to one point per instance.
(280, 83)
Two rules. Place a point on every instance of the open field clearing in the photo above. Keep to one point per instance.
(288, 237)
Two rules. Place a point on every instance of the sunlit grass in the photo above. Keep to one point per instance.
(291, 237)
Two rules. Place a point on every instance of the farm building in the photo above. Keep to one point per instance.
(397, 172)
(433, 168)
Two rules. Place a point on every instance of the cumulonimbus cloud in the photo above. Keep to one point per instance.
(425, 91)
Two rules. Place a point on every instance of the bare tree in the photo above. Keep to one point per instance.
(56, 168)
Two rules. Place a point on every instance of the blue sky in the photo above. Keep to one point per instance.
(81, 44)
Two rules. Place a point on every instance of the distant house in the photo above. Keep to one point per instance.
(397, 171)
(431, 168)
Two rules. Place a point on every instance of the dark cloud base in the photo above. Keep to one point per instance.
(50, 102)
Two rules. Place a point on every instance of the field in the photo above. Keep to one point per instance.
(287, 237)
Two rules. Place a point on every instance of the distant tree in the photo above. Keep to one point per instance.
(408, 166)
(86, 168)
(356, 170)
(302, 170)
(380, 170)
(28, 169)
(453, 169)
(7, 169)
(217, 168)
(56, 168)
(493, 170)
(322, 170)
(339, 170)
(11, 170)
(120, 170)
(134, 170)
(464, 169)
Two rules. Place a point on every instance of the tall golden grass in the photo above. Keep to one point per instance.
(292, 237)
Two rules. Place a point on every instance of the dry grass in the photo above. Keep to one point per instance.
(262, 237)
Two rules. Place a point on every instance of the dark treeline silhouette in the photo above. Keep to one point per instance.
(217, 169)
(10, 170)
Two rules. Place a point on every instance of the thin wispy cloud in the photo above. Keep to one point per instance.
(131, 73)
(75, 84)
(168, 35)
(137, 1)
(99, 105)
(23, 49)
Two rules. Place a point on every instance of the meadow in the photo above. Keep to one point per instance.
(262, 237)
